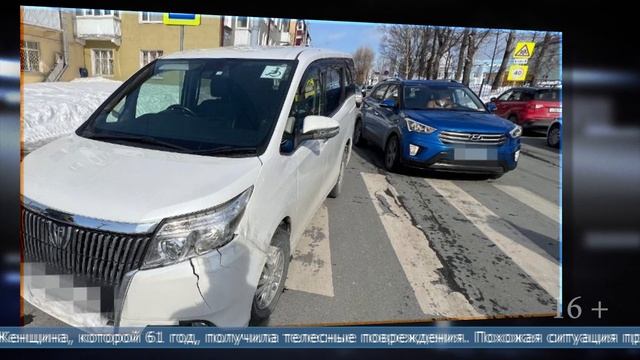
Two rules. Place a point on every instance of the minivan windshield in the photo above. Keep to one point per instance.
(202, 106)
(441, 97)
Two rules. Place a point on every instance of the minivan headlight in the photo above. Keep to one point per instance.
(415, 126)
(186, 236)
(516, 132)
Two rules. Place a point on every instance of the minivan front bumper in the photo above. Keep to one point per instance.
(216, 288)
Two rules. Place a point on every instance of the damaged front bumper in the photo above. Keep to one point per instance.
(216, 288)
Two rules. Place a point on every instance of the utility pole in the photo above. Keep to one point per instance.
(181, 37)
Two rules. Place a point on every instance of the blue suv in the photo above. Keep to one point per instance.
(437, 124)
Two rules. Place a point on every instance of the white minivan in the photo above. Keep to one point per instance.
(179, 201)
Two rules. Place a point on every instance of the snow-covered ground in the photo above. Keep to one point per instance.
(487, 94)
(54, 109)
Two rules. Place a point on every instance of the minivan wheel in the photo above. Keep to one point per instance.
(392, 153)
(357, 133)
(274, 274)
(337, 188)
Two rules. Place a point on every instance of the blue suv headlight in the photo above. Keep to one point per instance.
(415, 126)
(516, 132)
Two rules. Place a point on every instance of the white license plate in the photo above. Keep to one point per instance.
(471, 154)
(555, 110)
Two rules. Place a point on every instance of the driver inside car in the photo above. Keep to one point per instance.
(441, 100)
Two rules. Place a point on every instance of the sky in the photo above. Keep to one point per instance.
(349, 36)
(344, 36)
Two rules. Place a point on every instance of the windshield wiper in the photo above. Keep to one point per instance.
(139, 140)
(227, 150)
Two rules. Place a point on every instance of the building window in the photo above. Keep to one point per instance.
(30, 56)
(147, 56)
(95, 12)
(242, 22)
(150, 17)
(102, 62)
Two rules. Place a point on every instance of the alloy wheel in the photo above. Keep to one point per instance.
(272, 276)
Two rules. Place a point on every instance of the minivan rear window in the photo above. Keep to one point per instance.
(548, 95)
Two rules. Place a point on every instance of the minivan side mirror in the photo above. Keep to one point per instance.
(492, 107)
(316, 127)
(389, 103)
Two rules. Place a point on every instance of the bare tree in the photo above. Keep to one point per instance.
(541, 50)
(425, 35)
(442, 43)
(400, 45)
(475, 39)
(363, 62)
(462, 54)
(497, 80)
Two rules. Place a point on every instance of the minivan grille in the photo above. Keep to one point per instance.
(99, 255)
(450, 137)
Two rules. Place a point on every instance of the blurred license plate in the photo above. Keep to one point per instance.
(556, 110)
(474, 154)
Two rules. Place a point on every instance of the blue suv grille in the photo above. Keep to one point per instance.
(450, 137)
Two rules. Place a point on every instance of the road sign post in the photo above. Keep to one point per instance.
(181, 20)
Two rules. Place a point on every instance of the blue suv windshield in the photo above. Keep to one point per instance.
(441, 97)
(202, 106)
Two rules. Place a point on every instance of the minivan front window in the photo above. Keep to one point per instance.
(441, 97)
(202, 106)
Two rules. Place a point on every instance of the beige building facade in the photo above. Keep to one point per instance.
(104, 43)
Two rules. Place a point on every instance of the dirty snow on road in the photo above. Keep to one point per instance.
(54, 109)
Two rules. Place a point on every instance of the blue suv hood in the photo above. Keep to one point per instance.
(462, 121)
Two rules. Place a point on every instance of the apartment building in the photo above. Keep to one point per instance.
(250, 31)
(117, 44)
(48, 49)
(64, 44)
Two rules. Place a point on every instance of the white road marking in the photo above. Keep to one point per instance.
(310, 269)
(418, 260)
(527, 255)
(534, 201)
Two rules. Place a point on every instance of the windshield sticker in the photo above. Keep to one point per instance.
(273, 72)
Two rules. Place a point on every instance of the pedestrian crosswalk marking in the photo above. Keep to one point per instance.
(539, 265)
(419, 262)
(536, 202)
(310, 269)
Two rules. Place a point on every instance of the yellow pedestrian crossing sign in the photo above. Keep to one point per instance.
(517, 73)
(524, 50)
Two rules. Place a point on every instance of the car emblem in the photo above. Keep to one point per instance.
(57, 236)
(475, 137)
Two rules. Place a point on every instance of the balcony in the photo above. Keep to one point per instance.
(101, 27)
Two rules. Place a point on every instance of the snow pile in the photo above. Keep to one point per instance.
(487, 94)
(54, 109)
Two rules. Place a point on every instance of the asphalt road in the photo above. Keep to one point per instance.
(418, 245)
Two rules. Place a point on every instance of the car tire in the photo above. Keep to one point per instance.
(358, 139)
(266, 297)
(553, 137)
(392, 153)
(337, 188)
(513, 119)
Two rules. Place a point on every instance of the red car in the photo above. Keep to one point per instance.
(529, 107)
